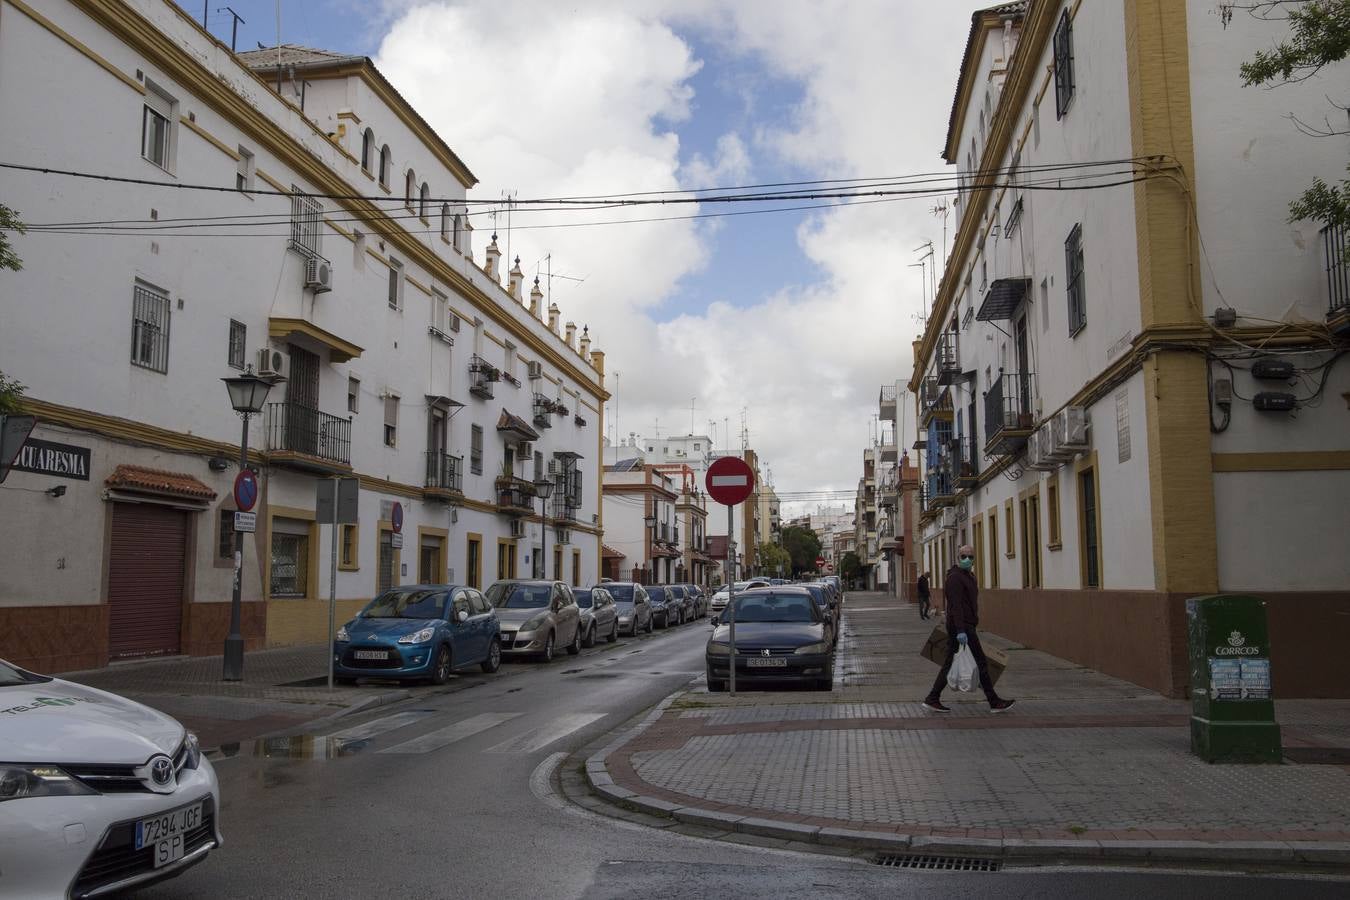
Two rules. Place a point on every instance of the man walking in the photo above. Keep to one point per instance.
(923, 596)
(962, 616)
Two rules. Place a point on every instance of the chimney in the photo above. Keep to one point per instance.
(553, 313)
(571, 337)
(515, 277)
(536, 296)
(586, 342)
(598, 363)
(490, 264)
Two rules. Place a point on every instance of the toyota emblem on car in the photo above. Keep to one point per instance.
(161, 770)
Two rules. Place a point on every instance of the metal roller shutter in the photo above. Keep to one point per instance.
(146, 570)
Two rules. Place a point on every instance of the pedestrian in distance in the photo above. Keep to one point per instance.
(924, 596)
(963, 614)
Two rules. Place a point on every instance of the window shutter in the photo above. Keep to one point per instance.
(391, 411)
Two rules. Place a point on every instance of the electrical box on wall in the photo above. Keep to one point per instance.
(1275, 401)
(1275, 369)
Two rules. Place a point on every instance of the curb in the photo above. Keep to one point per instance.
(1014, 851)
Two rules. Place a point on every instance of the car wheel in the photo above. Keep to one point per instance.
(440, 669)
(613, 632)
(547, 655)
(575, 647)
(715, 686)
(494, 657)
(589, 640)
(651, 624)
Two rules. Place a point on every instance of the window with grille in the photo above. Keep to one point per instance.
(237, 335)
(395, 284)
(1063, 65)
(1073, 266)
(353, 394)
(225, 549)
(476, 450)
(306, 215)
(157, 128)
(290, 565)
(150, 328)
(347, 554)
(1087, 511)
(245, 169)
(384, 576)
(391, 421)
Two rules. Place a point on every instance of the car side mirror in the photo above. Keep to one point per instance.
(462, 616)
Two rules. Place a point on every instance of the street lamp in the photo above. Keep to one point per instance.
(248, 393)
(650, 522)
(544, 488)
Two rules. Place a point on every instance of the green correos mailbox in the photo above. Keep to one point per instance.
(1232, 713)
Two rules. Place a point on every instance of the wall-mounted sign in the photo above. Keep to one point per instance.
(48, 458)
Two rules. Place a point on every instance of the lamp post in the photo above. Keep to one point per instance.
(650, 522)
(248, 393)
(544, 488)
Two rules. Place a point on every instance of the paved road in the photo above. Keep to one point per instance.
(450, 795)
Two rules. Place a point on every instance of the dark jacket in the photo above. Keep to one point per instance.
(923, 586)
(963, 603)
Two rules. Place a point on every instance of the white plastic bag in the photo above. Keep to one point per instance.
(962, 675)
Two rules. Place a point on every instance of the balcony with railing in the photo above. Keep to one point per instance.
(941, 487)
(935, 402)
(1336, 247)
(482, 376)
(515, 496)
(305, 438)
(948, 360)
(445, 476)
(1008, 416)
(887, 401)
(965, 461)
(543, 411)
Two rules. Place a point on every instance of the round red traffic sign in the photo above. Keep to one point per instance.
(396, 517)
(820, 562)
(245, 490)
(730, 480)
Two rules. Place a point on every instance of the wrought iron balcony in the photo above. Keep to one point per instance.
(1008, 416)
(515, 496)
(948, 363)
(543, 409)
(482, 375)
(445, 474)
(965, 461)
(307, 438)
(941, 487)
(887, 402)
(1335, 244)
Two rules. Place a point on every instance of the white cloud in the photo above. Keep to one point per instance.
(583, 97)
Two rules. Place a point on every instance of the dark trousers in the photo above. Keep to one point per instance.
(923, 606)
(981, 666)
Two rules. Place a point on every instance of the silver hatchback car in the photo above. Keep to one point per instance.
(537, 617)
(599, 615)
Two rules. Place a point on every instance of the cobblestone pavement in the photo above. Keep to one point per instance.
(1083, 759)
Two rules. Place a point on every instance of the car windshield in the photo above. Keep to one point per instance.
(519, 596)
(775, 608)
(622, 593)
(11, 676)
(583, 596)
(657, 594)
(414, 604)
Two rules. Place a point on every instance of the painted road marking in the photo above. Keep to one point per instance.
(443, 737)
(381, 725)
(540, 738)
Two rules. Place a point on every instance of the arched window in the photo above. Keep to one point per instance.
(368, 150)
(410, 189)
(445, 221)
(384, 165)
(459, 226)
(423, 200)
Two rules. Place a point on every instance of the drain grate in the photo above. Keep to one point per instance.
(938, 863)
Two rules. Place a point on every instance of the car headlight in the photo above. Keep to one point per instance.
(811, 648)
(20, 782)
(418, 637)
(719, 648)
(342, 634)
(534, 622)
(192, 751)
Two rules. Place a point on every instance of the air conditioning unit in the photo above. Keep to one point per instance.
(555, 467)
(517, 528)
(318, 274)
(271, 363)
(1068, 431)
(1037, 456)
(536, 370)
(454, 322)
(525, 448)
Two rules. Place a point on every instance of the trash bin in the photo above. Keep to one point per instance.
(1232, 713)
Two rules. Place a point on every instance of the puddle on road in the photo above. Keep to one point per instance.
(296, 746)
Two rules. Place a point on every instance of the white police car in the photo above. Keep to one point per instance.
(97, 793)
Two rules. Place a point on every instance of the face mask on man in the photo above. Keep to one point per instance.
(966, 562)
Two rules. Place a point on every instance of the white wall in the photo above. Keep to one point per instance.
(1282, 531)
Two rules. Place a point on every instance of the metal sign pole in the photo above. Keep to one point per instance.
(731, 594)
(332, 583)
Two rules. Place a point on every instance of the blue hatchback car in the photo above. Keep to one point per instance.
(418, 631)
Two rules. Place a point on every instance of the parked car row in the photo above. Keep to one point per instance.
(427, 631)
(785, 634)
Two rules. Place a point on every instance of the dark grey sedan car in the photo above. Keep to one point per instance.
(599, 615)
(781, 636)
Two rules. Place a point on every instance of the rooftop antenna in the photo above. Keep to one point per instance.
(234, 29)
(943, 210)
(549, 275)
(923, 287)
(928, 258)
(691, 415)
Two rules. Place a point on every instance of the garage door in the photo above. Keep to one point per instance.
(145, 579)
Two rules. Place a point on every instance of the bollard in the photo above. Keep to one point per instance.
(1232, 710)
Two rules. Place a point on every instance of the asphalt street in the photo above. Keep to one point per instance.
(453, 795)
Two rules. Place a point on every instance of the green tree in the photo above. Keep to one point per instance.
(850, 565)
(803, 546)
(1319, 35)
(9, 221)
(11, 395)
(774, 560)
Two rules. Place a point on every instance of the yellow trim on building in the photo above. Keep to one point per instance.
(339, 350)
(207, 136)
(77, 45)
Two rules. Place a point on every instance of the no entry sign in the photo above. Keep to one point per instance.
(730, 480)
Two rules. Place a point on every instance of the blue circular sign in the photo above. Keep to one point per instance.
(396, 518)
(245, 490)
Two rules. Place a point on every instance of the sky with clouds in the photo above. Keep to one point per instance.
(795, 317)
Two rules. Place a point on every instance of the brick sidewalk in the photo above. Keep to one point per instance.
(1085, 765)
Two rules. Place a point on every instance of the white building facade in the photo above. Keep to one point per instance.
(1101, 388)
(339, 258)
